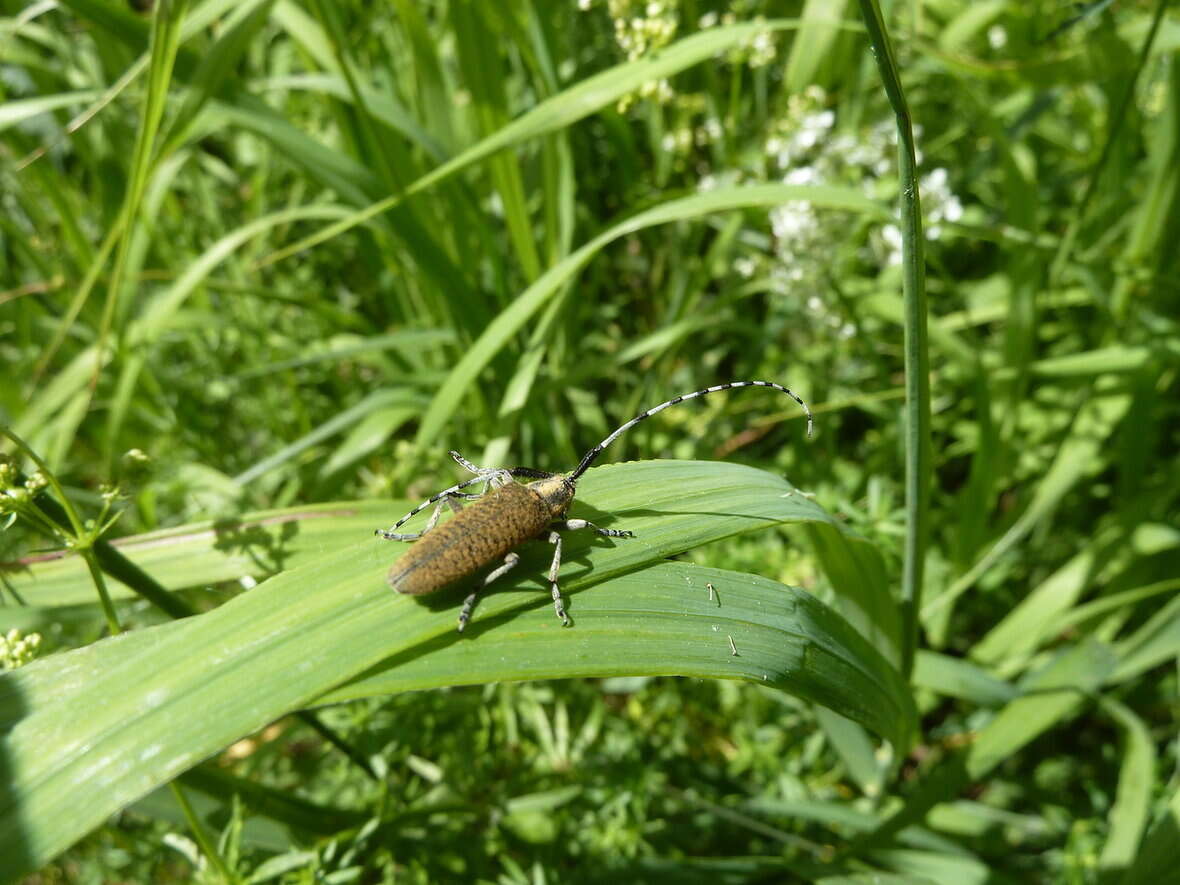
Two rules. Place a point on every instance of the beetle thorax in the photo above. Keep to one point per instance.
(556, 491)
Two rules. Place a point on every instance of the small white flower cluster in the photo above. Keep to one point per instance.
(761, 49)
(17, 650)
(805, 125)
(795, 149)
(684, 139)
(641, 27)
(805, 150)
(14, 497)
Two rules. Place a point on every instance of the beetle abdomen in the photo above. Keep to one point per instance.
(475, 537)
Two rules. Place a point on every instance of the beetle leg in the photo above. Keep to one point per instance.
(451, 501)
(555, 540)
(575, 524)
(391, 534)
(494, 476)
(510, 562)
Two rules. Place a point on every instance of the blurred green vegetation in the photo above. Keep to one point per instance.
(267, 255)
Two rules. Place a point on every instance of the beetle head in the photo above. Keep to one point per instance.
(556, 491)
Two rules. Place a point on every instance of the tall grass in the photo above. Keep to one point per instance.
(265, 262)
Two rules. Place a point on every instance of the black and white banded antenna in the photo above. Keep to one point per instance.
(591, 456)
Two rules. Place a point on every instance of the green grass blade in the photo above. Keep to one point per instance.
(561, 110)
(1079, 455)
(857, 573)
(1129, 815)
(91, 730)
(818, 30)
(14, 112)
(165, 42)
(1152, 644)
(1050, 696)
(852, 744)
(483, 72)
(1037, 615)
(337, 424)
(1156, 861)
(958, 678)
(463, 377)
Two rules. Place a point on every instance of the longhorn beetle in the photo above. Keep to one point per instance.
(497, 523)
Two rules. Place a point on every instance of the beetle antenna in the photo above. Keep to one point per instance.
(593, 454)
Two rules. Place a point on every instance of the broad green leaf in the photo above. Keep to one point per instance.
(659, 621)
(88, 731)
(653, 497)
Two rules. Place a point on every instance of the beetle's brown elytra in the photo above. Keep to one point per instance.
(490, 528)
(506, 514)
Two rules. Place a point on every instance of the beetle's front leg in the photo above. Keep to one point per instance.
(493, 477)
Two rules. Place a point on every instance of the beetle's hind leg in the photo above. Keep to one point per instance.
(510, 562)
(450, 497)
(452, 500)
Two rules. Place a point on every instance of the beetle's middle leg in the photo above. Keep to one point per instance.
(555, 540)
(510, 562)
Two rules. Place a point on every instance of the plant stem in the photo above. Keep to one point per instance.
(917, 356)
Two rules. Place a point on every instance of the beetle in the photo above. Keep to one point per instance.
(506, 514)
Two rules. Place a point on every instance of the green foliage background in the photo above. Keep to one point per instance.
(265, 262)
